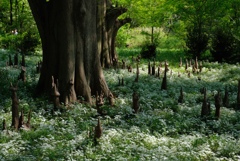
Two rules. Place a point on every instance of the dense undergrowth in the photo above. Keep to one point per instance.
(162, 130)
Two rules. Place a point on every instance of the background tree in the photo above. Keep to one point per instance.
(17, 27)
(203, 23)
(108, 26)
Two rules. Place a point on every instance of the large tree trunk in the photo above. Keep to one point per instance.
(70, 52)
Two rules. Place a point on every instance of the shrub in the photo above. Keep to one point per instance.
(197, 41)
(148, 51)
(29, 42)
(222, 45)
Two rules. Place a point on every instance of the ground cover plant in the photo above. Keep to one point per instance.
(162, 129)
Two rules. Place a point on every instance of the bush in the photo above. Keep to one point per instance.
(148, 51)
(222, 45)
(29, 43)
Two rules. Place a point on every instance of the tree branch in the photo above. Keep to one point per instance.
(112, 14)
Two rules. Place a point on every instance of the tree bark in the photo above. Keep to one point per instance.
(68, 32)
(108, 26)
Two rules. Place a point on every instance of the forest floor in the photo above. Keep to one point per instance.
(163, 128)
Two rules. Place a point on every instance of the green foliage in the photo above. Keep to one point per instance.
(21, 33)
(26, 42)
(30, 42)
(122, 37)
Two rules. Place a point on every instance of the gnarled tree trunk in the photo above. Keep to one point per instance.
(68, 31)
(108, 26)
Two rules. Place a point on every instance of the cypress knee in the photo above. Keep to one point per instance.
(4, 125)
(28, 124)
(217, 105)
(15, 104)
(135, 99)
(98, 130)
(180, 98)
(21, 119)
(180, 63)
(153, 68)
(149, 68)
(186, 65)
(205, 109)
(164, 82)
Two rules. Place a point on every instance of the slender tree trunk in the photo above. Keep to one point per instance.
(11, 10)
(152, 34)
(70, 51)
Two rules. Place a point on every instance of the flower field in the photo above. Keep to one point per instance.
(163, 128)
